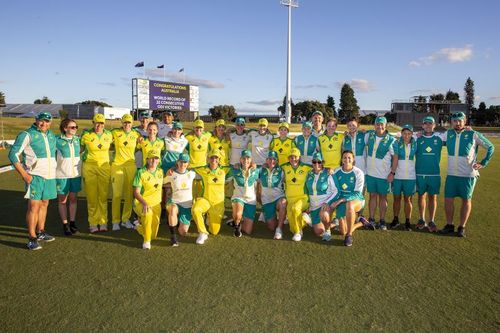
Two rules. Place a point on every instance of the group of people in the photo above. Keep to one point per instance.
(318, 177)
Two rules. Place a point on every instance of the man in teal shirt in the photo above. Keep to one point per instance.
(463, 169)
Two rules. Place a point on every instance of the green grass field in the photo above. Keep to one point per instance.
(392, 281)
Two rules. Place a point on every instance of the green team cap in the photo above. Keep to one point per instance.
(183, 157)
(272, 154)
(317, 156)
(144, 114)
(177, 125)
(44, 116)
(246, 153)
(317, 112)
(428, 119)
(239, 121)
(458, 116)
(381, 120)
(407, 127)
(307, 124)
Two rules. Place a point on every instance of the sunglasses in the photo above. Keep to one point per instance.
(317, 162)
(73, 127)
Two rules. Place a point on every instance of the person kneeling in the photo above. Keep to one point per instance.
(147, 193)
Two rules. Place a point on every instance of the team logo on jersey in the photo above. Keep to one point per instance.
(220, 148)
(294, 180)
(260, 143)
(183, 185)
(156, 185)
(301, 172)
(428, 149)
(125, 143)
(63, 143)
(435, 141)
(99, 146)
(199, 146)
(175, 146)
(280, 150)
(215, 179)
(330, 146)
(344, 186)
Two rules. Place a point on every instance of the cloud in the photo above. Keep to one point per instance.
(422, 91)
(312, 86)
(477, 98)
(103, 99)
(109, 84)
(181, 77)
(3, 81)
(494, 98)
(447, 54)
(250, 111)
(265, 102)
(359, 85)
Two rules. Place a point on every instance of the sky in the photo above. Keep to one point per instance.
(235, 50)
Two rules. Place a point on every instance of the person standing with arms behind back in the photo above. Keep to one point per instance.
(37, 167)
(378, 169)
(123, 169)
(69, 180)
(428, 157)
(463, 170)
(96, 172)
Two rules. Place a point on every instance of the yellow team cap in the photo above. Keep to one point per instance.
(153, 154)
(99, 118)
(294, 152)
(214, 152)
(263, 122)
(285, 125)
(220, 122)
(127, 118)
(199, 123)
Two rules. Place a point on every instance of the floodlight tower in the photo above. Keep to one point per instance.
(288, 107)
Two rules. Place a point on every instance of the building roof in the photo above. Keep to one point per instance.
(31, 110)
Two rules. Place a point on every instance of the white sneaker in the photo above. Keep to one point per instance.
(93, 229)
(278, 234)
(135, 224)
(116, 226)
(103, 228)
(146, 246)
(297, 237)
(335, 224)
(201, 239)
(261, 218)
(128, 225)
(327, 236)
(286, 221)
(307, 219)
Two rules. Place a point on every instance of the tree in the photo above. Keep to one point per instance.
(226, 112)
(2, 98)
(305, 109)
(469, 96)
(369, 119)
(44, 100)
(282, 107)
(348, 104)
(330, 103)
(63, 114)
(420, 104)
(436, 97)
(95, 103)
(452, 96)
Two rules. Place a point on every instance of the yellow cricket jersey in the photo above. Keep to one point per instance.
(282, 148)
(213, 182)
(150, 183)
(295, 180)
(331, 149)
(125, 144)
(146, 146)
(96, 146)
(198, 149)
(223, 146)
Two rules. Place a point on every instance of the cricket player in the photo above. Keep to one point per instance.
(463, 170)
(260, 141)
(330, 144)
(123, 169)
(33, 157)
(296, 197)
(198, 148)
(306, 143)
(147, 186)
(239, 140)
(211, 202)
(282, 145)
(96, 172)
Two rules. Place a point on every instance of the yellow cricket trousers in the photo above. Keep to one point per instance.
(96, 184)
(197, 188)
(214, 211)
(150, 221)
(294, 210)
(122, 177)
